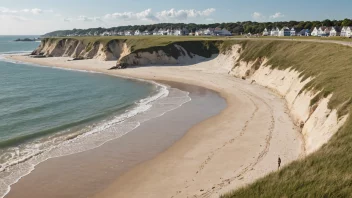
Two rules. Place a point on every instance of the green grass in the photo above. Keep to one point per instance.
(327, 172)
(137, 42)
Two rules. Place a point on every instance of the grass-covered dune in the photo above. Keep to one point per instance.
(328, 171)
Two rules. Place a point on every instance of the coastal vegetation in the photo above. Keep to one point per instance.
(324, 173)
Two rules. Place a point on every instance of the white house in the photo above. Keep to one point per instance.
(265, 32)
(349, 31)
(106, 33)
(274, 32)
(293, 32)
(199, 32)
(323, 31)
(285, 31)
(209, 31)
(129, 33)
(137, 33)
(161, 32)
(315, 32)
(335, 31)
(146, 32)
(346, 31)
(178, 32)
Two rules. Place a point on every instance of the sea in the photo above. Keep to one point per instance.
(48, 112)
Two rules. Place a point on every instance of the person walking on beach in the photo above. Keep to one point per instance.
(278, 162)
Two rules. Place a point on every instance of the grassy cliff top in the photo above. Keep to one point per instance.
(139, 42)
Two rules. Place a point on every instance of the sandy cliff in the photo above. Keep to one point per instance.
(317, 121)
(69, 47)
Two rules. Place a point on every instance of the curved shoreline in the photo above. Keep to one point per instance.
(196, 163)
(153, 98)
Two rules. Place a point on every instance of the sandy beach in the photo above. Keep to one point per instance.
(229, 150)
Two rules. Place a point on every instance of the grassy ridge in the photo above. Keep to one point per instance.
(138, 42)
(327, 172)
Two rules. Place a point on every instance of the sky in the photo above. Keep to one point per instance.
(36, 17)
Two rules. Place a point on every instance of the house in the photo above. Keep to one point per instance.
(265, 32)
(185, 31)
(323, 31)
(217, 31)
(304, 32)
(225, 32)
(209, 31)
(274, 32)
(221, 32)
(106, 33)
(155, 32)
(349, 31)
(335, 31)
(315, 31)
(180, 32)
(293, 32)
(346, 31)
(161, 32)
(199, 32)
(285, 31)
(146, 33)
(129, 33)
(327, 31)
(137, 33)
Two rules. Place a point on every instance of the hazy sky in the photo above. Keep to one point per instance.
(41, 16)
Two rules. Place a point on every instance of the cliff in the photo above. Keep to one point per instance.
(80, 49)
(128, 52)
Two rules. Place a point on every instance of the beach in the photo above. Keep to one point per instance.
(219, 154)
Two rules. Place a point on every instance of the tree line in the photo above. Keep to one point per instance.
(237, 28)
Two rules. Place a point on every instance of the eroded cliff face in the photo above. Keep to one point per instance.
(317, 122)
(186, 52)
(74, 48)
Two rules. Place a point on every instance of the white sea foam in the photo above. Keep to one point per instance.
(164, 100)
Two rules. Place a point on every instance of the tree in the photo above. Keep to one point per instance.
(327, 22)
(308, 25)
(346, 22)
(236, 28)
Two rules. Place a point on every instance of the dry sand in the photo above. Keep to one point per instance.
(234, 148)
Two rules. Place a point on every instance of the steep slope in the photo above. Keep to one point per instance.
(81, 49)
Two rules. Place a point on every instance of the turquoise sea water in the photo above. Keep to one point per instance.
(47, 112)
(36, 101)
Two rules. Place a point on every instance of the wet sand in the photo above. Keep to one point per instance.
(84, 174)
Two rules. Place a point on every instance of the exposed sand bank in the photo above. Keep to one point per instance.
(234, 148)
